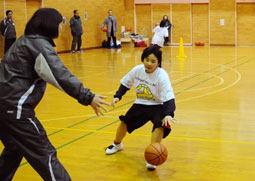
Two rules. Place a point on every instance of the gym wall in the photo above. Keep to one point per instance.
(201, 20)
(96, 13)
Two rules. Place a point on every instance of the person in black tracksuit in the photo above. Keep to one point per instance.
(7, 28)
(24, 72)
(77, 31)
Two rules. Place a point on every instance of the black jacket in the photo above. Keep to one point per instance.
(7, 28)
(76, 27)
(24, 71)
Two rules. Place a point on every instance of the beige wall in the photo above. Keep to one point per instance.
(158, 11)
(246, 24)
(96, 11)
(200, 23)
(32, 6)
(19, 14)
(222, 35)
(143, 20)
(181, 19)
(146, 17)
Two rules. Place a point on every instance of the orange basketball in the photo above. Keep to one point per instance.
(129, 29)
(157, 24)
(197, 43)
(155, 154)
(105, 29)
(202, 43)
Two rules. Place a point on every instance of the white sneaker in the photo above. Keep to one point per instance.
(80, 51)
(150, 166)
(113, 148)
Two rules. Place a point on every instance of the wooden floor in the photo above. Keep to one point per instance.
(213, 140)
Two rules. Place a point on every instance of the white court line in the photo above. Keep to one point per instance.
(117, 117)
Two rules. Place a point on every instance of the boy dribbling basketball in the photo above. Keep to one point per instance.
(155, 100)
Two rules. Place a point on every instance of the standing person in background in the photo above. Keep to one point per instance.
(168, 25)
(160, 33)
(25, 70)
(111, 23)
(76, 30)
(7, 28)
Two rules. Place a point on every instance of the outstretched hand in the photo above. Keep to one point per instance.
(97, 104)
(168, 120)
(114, 101)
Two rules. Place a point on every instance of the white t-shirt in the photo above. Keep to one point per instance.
(151, 88)
(159, 36)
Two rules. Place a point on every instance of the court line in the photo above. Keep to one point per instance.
(82, 116)
(238, 59)
(79, 138)
(207, 87)
(111, 122)
(208, 70)
(88, 119)
(147, 135)
(218, 90)
(133, 101)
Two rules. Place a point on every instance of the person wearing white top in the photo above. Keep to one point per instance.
(160, 32)
(155, 100)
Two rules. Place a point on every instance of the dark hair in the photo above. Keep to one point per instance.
(8, 11)
(75, 11)
(162, 24)
(164, 17)
(109, 10)
(155, 50)
(45, 22)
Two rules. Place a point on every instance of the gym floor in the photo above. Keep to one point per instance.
(214, 137)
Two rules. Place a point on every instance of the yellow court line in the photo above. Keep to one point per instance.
(87, 115)
(148, 135)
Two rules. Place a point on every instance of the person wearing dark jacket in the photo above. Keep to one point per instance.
(76, 30)
(168, 25)
(7, 28)
(25, 69)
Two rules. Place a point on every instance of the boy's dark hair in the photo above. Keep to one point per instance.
(155, 50)
(8, 11)
(162, 24)
(74, 11)
(45, 22)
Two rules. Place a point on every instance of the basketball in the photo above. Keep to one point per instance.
(157, 24)
(129, 29)
(197, 43)
(202, 43)
(155, 154)
(105, 29)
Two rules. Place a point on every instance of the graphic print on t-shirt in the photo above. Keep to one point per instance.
(144, 92)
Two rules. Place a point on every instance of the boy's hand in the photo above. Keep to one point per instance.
(114, 101)
(97, 104)
(167, 120)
